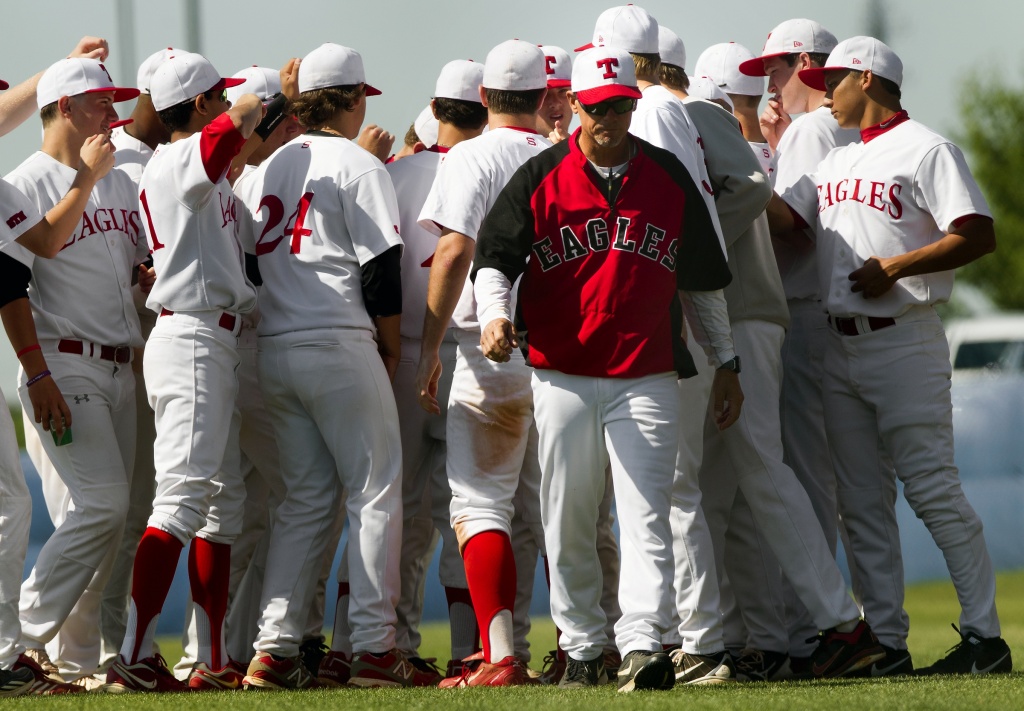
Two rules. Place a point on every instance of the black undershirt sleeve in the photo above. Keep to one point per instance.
(252, 269)
(14, 279)
(382, 283)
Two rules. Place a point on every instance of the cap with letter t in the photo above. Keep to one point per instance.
(604, 73)
(860, 54)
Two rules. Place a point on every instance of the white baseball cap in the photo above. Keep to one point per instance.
(602, 73)
(333, 65)
(426, 126)
(149, 65)
(671, 48)
(261, 81)
(628, 27)
(558, 65)
(184, 76)
(706, 88)
(791, 37)
(721, 63)
(78, 75)
(859, 53)
(459, 79)
(515, 65)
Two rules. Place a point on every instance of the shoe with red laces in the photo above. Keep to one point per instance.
(335, 669)
(202, 678)
(42, 684)
(842, 653)
(269, 672)
(393, 668)
(510, 671)
(150, 674)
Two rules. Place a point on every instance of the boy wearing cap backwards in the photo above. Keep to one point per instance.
(893, 216)
(190, 361)
(491, 440)
(331, 279)
(85, 317)
(607, 393)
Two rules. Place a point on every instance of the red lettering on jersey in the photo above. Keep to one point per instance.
(227, 210)
(876, 194)
(107, 73)
(103, 221)
(856, 191)
(133, 223)
(894, 199)
(298, 230)
(16, 219)
(531, 140)
(549, 64)
(154, 242)
(275, 211)
(608, 63)
(841, 193)
(86, 225)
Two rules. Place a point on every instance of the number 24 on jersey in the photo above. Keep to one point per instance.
(294, 226)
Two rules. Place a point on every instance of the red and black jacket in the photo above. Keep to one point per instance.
(602, 264)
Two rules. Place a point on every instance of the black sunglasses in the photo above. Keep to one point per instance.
(619, 106)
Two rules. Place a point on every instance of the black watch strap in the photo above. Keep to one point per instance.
(733, 365)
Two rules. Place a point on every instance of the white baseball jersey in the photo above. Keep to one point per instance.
(661, 119)
(764, 157)
(803, 146)
(189, 216)
(84, 292)
(132, 155)
(468, 182)
(900, 190)
(244, 186)
(322, 208)
(17, 216)
(412, 177)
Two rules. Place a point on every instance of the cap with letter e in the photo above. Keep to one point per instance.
(184, 76)
(604, 73)
(515, 65)
(791, 37)
(627, 27)
(460, 79)
(558, 65)
(721, 63)
(78, 75)
(333, 65)
(860, 54)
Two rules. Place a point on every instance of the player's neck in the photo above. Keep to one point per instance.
(643, 83)
(750, 126)
(876, 113)
(449, 135)
(62, 147)
(815, 99)
(605, 156)
(678, 93)
(147, 129)
(527, 121)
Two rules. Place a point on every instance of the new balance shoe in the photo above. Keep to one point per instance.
(582, 675)
(973, 655)
(150, 674)
(16, 681)
(554, 667)
(510, 671)
(842, 653)
(42, 660)
(701, 669)
(896, 662)
(370, 670)
(762, 665)
(202, 678)
(267, 672)
(41, 684)
(335, 669)
(642, 670)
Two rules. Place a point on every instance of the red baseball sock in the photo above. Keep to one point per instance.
(491, 574)
(209, 568)
(152, 575)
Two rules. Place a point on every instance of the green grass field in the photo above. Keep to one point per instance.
(932, 607)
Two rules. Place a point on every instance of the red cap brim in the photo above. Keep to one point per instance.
(227, 83)
(815, 76)
(121, 122)
(606, 92)
(755, 67)
(120, 93)
(371, 91)
(4, 85)
(588, 45)
(559, 83)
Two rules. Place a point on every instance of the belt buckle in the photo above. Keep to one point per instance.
(122, 354)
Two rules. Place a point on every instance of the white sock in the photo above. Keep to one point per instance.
(501, 635)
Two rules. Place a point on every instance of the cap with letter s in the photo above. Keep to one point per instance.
(791, 37)
(78, 75)
(861, 54)
(721, 63)
(184, 76)
(333, 65)
(627, 27)
(515, 65)
(604, 73)
(460, 79)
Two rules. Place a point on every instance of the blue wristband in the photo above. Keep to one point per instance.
(36, 378)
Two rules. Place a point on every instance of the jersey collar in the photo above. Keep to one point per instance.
(439, 149)
(872, 132)
(519, 128)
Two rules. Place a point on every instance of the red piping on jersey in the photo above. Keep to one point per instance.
(872, 132)
(520, 128)
(219, 143)
(439, 149)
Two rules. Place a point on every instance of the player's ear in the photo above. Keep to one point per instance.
(573, 104)
(867, 79)
(419, 146)
(199, 103)
(483, 96)
(540, 101)
(64, 106)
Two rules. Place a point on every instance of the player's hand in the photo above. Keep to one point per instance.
(774, 122)
(48, 406)
(377, 141)
(147, 277)
(427, 376)
(247, 113)
(727, 398)
(91, 48)
(875, 277)
(559, 134)
(290, 78)
(498, 340)
(96, 157)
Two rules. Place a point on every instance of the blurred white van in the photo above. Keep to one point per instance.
(987, 344)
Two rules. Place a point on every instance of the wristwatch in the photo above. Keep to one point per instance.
(733, 365)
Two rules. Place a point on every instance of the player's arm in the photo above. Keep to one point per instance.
(967, 241)
(47, 403)
(276, 112)
(48, 236)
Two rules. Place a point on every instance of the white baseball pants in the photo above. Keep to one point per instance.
(15, 519)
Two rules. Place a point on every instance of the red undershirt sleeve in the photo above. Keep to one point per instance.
(219, 143)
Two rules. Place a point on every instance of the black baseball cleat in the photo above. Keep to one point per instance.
(702, 669)
(896, 662)
(582, 675)
(762, 665)
(973, 655)
(842, 653)
(643, 670)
